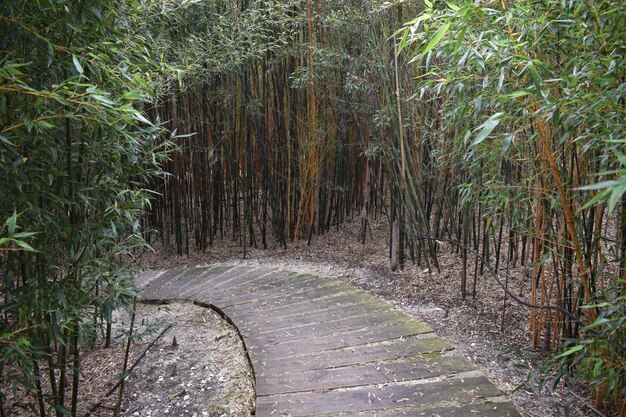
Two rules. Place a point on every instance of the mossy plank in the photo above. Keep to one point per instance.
(338, 340)
(337, 325)
(290, 296)
(362, 374)
(270, 365)
(313, 316)
(478, 408)
(436, 394)
(285, 310)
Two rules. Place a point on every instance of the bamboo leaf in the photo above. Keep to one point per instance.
(568, 352)
(103, 100)
(403, 42)
(486, 128)
(599, 185)
(139, 116)
(616, 195)
(4, 140)
(459, 40)
(435, 39)
(11, 224)
(77, 65)
(506, 142)
(501, 80)
(598, 322)
(25, 246)
(517, 94)
(22, 235)
(601, 196)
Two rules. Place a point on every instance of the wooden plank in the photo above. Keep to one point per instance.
(208, 276)
(493, 407)
(321, 321)
(143, 279)
(338, 340)
(362, 374)
(290, 297)
(225, 275)
(280, 289)
(171, 289)
(338, 299)
(321, 347)
(378, 397)
(247, 278)
(336, 336)
(232, 273)
(485, 409)
(270, 365)
(313, 316)
(286, 280)
(323, 329)
(159, 282)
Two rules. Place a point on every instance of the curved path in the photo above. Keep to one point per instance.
(320, 347)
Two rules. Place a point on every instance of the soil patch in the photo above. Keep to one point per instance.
(205, 373)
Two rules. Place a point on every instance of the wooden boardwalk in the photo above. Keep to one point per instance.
(320, 347)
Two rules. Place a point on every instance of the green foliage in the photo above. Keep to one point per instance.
(11, 239)
(538, 86)
(509, 101)
(286, 106)
(77, 151)
(611, 190)
(598, 358)
(561, 63)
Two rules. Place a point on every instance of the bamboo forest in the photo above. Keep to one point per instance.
(312, 208)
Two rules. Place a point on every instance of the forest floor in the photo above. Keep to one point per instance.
(499, 347)
(187, 378)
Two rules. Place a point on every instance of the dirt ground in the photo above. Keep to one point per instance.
(205, 373)
(498, 345)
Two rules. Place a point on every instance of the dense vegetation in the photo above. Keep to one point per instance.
(76, 154)
(498, 126)
(530, 131)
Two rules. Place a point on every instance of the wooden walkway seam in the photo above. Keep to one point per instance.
(319, 347)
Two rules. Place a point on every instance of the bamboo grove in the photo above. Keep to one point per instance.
(497, 126)
(529, 132)
(76, 154)
(491, 126)
(276, 145)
